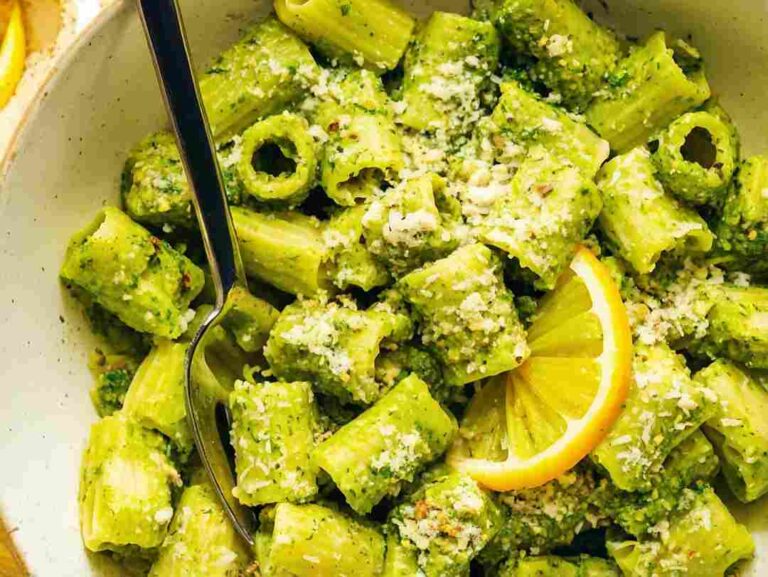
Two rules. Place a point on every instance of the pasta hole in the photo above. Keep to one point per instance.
(698, 148)
(275, 159)
(686, 57)
(361, 185)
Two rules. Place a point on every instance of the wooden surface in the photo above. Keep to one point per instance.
(10, 563)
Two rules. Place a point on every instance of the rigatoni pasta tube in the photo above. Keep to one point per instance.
(351, 264)
(278, 162)
(155, 398)
(738, 428)
(370, 33)
(553, 566)
(703, 539)
(649, 89)
(742, 229)
(273, 436)
(573, 54)
(412, 224)
(435, 519)
(527, 521)
(154, 187)
(201, 542)
(285, 250)
(522, 118)
(316, 541)
(737, 325)
(400, 560)
(640, 220)
(447, 68)
(549, 210)
(133, 274)
(332, 345)
(696, 157)
(664, 408)
(692, 461)
(370, 457)
(125, 487)
(467, 314)
(249, 320)
(364, 147)
(268, 69)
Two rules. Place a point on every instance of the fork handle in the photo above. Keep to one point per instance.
(170, 52)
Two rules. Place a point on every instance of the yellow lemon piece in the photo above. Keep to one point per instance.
(13, 53)
(531, 425)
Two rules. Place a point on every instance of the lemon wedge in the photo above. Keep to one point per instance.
(13, 53)
(531, 425)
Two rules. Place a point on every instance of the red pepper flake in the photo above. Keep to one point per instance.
(543, 189)
(421, 510)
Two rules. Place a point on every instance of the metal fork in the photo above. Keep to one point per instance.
(205, 396)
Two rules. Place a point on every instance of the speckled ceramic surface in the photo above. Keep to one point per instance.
(66, 163)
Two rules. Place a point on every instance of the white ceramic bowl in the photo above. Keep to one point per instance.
(65, 163)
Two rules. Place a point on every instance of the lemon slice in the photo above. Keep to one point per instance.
(531, 425)
(13, 53)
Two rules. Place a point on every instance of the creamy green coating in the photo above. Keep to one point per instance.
(539, 520)
(692, 461)
(201, 540)
(664, 408)
(552, 566)
(521, 118)
(249, 320)
(549, 210)
(742, 229)
(703, 541)
(736, 325)
(334, 346)
(273, 431)
(651, 87)
(155, 189)
(156, 396)
(113, 374)
(372, 34)
(394, 366)
(447, 70)
(640, 220)
(400, 560)
(739, 429)
(284, 249)
(447, 522)
(133, 274)
(371, 456)
(287, 137)
(125, 487)
(351, 264)
(317, 541)
(467, 315)
(268, 69)
(363, 147)
(574, 55)
(696, 157)
(412, 224)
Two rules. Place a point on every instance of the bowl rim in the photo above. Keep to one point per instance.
(58, 67)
